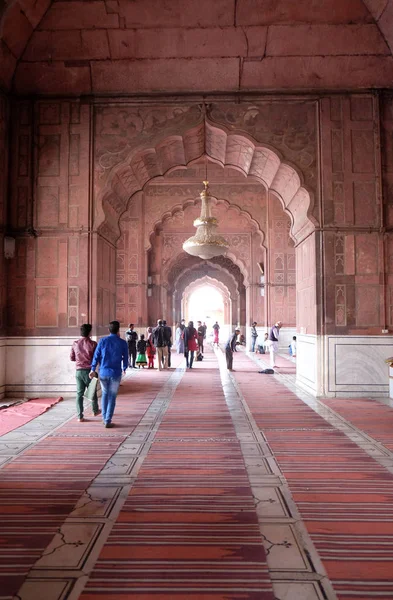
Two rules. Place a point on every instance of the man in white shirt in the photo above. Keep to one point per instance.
(273, 342)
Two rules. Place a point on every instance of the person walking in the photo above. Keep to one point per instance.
(201, 336)
(179, 338)
(254, 336)
(141, 348)
(159, 339)
(216, 330)
(168, 337)
(230, 348)
(131, 339)
(273, 342)
(112, 355)
(190, 343)
(82, 353)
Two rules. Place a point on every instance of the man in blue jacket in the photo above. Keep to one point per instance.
(112, 354)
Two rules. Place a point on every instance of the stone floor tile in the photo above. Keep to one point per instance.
(96, 502)
(44, 590)
(69, 547)
(269, 503)
(288, 590)
(283, 551)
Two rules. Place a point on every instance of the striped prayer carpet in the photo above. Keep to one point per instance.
(41, 487)
(188, 529)
(344, 497)
(283, 365)
(369, 415)
(15, 416)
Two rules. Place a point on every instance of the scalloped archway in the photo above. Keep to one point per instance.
(208, 282)
(235, 150)
(221, 270)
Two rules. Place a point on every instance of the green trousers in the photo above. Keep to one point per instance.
(82, 382)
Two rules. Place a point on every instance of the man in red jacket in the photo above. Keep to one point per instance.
(82, 352)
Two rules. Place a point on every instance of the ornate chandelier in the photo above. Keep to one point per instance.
(206, 243)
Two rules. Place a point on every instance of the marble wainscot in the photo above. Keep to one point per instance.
(309, 367)
(355, 365)
(38, 366)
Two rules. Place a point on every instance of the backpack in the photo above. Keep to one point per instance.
(267, 372)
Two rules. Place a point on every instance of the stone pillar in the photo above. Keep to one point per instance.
(49, 282)
(355, 319)
(4, 120)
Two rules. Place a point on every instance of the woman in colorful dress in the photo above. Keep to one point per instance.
(150, 352)
(216, 330)
(190, 337)
(141, 348)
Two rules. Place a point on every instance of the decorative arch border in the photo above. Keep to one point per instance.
(231, 149)
(214, 272)
(205, 281)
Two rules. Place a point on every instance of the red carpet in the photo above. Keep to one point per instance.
(283, 365)
(15, 416)
(369, 415)
(345, 498)
(189, 529)
(39, 489)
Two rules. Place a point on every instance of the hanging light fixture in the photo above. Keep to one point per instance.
(206, 243)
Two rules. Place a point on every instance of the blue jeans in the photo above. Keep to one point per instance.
(110, 387)
(253, 342)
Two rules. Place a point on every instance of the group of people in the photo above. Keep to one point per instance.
(115, 355)
(111, 353)
(270, 342)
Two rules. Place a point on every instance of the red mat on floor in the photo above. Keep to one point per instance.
(15, 416)
(41, 487)
(283, 365)
(344, 497)
(369, 415)
(189, 528)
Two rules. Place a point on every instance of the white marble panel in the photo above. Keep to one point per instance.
(307, 368)
(39, 365)
(356, 365)
(285, 338)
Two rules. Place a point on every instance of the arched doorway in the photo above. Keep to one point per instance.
(162, 215)
(208, 300)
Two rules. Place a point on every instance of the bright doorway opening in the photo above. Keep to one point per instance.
(206, 304)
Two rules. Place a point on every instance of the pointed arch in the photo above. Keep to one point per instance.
(235, 150)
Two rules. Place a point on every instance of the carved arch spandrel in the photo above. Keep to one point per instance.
(198, 272)
(229, 149)
(211, 281)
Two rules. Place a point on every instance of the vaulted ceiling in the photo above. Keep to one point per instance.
(139, 46)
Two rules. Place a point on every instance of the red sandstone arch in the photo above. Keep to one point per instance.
(215, 272)
(229, 149)
(174, 261)
(212, 271)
